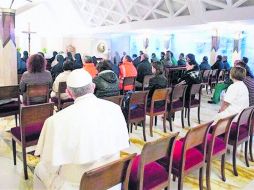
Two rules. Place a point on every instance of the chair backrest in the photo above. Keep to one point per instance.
(62, 87)
(160, 95)
(221, 127)
(109, 175)
(129, 81)
(155, 150)
(214, 75)
(195, 91)
(37, 91)
(146, 81)
(139, 98)
(115, 99)
(205, 76)
(178, 92)
(35, 114)
(7, 92)
(221, 76)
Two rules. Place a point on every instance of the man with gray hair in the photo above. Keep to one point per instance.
(83, 136)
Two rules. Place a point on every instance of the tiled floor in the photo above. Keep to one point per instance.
(11, 177)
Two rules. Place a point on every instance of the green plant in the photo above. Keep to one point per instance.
(44, 50)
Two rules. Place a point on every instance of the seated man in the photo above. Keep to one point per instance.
(237, 96)
(83, 136)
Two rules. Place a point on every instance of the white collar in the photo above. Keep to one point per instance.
(90, 95)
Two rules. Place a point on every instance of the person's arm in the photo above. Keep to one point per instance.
(224, 106)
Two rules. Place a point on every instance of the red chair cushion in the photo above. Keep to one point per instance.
(154, 174)
(137, 112)
(243, 131)
(177, 104)
(219, 144)
(12, 106)
(156, 110)
(193, 156)
(32, 132)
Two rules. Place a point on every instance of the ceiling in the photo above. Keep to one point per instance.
(99, 16)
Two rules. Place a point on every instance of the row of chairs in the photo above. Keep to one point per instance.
(159, 159)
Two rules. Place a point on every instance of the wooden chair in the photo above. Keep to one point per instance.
(205, 79)
(58, 100)
(37, 94)
(109, 175)
(240, 133)
(137, 110)
(189, 154)
(251, 138)
(194, 100)
(159, 96)
(176, 103)
(115, 99)
(146, 82)
(11, 95)
(128, 81)
(31, 122)
(217, 142)
(146, 173)
(221, 75)
(213, 79)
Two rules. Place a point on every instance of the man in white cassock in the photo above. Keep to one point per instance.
(83, 136)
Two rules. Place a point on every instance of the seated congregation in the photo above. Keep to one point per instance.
(81, 115)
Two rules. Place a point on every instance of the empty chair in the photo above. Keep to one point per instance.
(109, 175)
(27, 134)
(58, 100)
(9, 101)
(189, 154)
(128, 81)
(239, 133)
(146, 80)
(115, 99)
(217, 146)
(176, 103)
(194, 100)
(36, 94)
(158, 106)
(146, 173)
(137, 110)
(205, 79)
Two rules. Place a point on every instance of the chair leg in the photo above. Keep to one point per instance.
(174, 177)
(201, 178)
(164, 123)
(208, 175)
(206, 89)
(144, 130)
(250, 148)
(155, 121)
(188, 116)
(199, 114)
(14, 152)
(16, 119)
(180, 182)
(170, 122)
(182, 119)
(185, 115)
(234, 160)
(246, 154)
(24, 162)
(151, 126)
(223, 168)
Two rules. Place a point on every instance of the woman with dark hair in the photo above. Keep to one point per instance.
(62, 77)
(191, 76)
(58, 68)
(106, 82)
(36, 73)
(78, 61)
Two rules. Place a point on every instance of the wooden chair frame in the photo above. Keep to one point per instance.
(129, 81)
(115, 99)
(146, 81)
(36, 90)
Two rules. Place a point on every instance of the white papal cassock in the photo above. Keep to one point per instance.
(81, 137)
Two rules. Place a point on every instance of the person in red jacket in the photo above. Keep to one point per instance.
(127, 69)
(89, 66)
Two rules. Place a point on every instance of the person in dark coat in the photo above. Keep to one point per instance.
(58, 68)
(21, 65)
(204, 65)
(246, 60)
(181, 61)
(69, 57)
(78, 61)
(227, 66)
(159, 81)
(106, 82)
(191, 76)
(144, 68)
(218, 64)
(25, 56)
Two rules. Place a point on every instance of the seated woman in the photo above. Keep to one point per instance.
(106, 82)
(157, 82)
(191, 76)
(237, 96)
(62, 77)
(58, 67)
(36, 74)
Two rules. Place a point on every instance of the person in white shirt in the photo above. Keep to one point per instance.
(62, 77)
(237, 96)
(83, 136)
